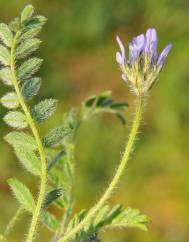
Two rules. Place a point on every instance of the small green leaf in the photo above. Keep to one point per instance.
(55, 159)
(31, 87)
(36, 21)
(22, 194)
(26, 48)
(90, 101)
(6, 35)
(57, 177)
(32, 28)
(50, 221)
(6, 76)
(28, 159)
(52, 196)
(102, 100)
(119, 105)
(27, 13)
(14, 25)
(30, 33)
(15, 119)
(4, 56)
(21, 139)
(55, 136)
(10, 100)
(28, 68)
(44, 110)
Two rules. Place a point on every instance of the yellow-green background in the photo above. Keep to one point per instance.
(79, 50)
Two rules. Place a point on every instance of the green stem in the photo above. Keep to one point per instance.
(71, 169)
(119, 172)
(68, 209)
(12, 222)
(35, 132)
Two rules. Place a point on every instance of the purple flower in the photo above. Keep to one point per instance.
(142, 67)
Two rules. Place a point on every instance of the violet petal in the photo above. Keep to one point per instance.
(121, 47)
(164, 54)
(151, 43)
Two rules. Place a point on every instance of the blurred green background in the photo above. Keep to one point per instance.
(79, 50)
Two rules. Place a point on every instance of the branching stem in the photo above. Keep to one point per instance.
(35, 132)
(119, 172)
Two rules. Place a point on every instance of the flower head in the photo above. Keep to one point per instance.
(143, 66)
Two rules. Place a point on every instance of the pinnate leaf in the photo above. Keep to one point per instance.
(16, 139)
(50, 221)
(27, 13)
(35, 21)
(15, 119)
(10, 100)
(28, 68)
(6, 35)
(28, 159)
(6, 76)
(31, 87)
(55, 136)
(53, 161)
(109, 218)
(22, 194)
(103, 103)
(27, 47)
(32, 28)
(44, 110)
(52, 196)
(130, 218)
(14, 25)
(120, 218)
(4, 56)
(30, 33)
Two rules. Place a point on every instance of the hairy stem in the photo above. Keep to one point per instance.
(68, 209)
(36, 135)
(12, 222)
(119, 172)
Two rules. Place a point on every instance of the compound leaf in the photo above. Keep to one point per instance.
(22, 194)
(44, 110)
(14, 25)
(16, 120)
(27, 13)
(6, 76)
(55, 136)
(6, 35)
(27, 47)
(50, 221)
(28, 159)
(10, 100)
(103, 103)
(5, 57)
(32, 28)
(108, 218)
(28, 68)
(16, 139)
(52, 196)
(31, 87)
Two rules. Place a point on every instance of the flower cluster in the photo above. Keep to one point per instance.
(142, 67)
